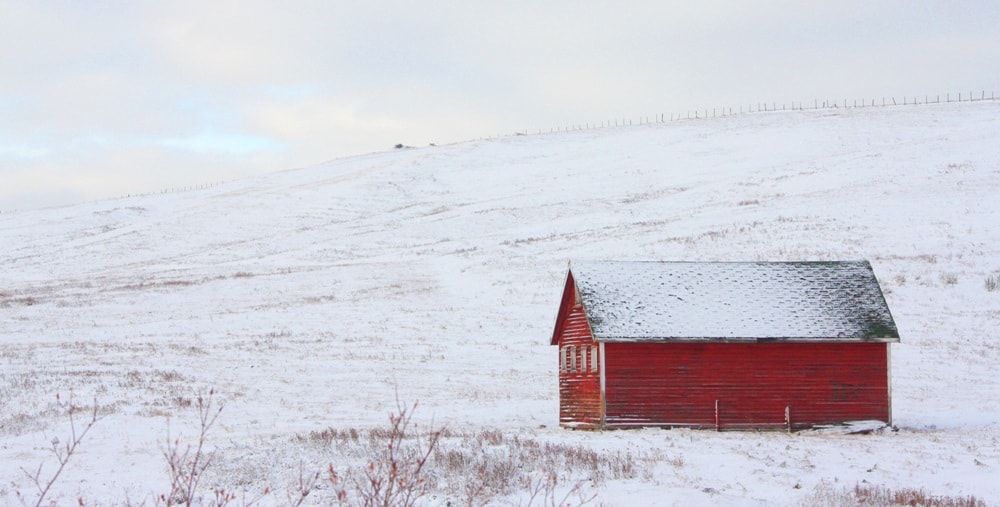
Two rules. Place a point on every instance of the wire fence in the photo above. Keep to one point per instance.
(762, 107)
(168, 190)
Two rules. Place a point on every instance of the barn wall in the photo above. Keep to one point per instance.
(580, 403)
(753, 383)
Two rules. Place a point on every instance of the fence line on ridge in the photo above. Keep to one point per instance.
(773, 106)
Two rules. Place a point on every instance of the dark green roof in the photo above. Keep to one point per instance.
(738, 301)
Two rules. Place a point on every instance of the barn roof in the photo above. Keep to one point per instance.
(733, 301)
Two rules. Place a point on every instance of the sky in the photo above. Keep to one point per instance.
(101, 99)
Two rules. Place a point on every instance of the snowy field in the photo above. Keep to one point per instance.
(310, 299)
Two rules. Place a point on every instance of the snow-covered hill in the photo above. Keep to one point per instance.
(312, 298)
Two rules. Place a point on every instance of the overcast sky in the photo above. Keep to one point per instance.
(105, 98)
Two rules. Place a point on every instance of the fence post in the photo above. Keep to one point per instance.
(717, 427)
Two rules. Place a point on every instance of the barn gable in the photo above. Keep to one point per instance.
(734, 301)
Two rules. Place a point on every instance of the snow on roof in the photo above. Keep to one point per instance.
(637, 301)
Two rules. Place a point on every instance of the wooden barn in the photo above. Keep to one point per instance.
(723, 345)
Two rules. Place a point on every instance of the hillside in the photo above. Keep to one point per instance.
(310, 299)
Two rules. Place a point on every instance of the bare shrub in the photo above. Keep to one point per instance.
(395, 474)
(304, 486)
(949, 278)
(186, 466)
(62, 453)
(544, 490)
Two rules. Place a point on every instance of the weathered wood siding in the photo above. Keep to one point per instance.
(580, 404)
(681, 384)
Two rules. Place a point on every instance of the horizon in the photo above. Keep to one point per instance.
(621, 122)
(114, 99)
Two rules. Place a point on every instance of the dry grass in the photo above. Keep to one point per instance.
(479, 467)
(26, 384)
(7, 301)
(949, 278)
(868, 495)
(992, 283)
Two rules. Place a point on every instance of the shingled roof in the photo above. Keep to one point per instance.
(734, 301)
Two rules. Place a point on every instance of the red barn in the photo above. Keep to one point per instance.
(723, 345)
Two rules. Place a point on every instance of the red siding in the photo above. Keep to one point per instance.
(579, 386)
(680, 383)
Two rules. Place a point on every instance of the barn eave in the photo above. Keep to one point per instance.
(747, 339)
